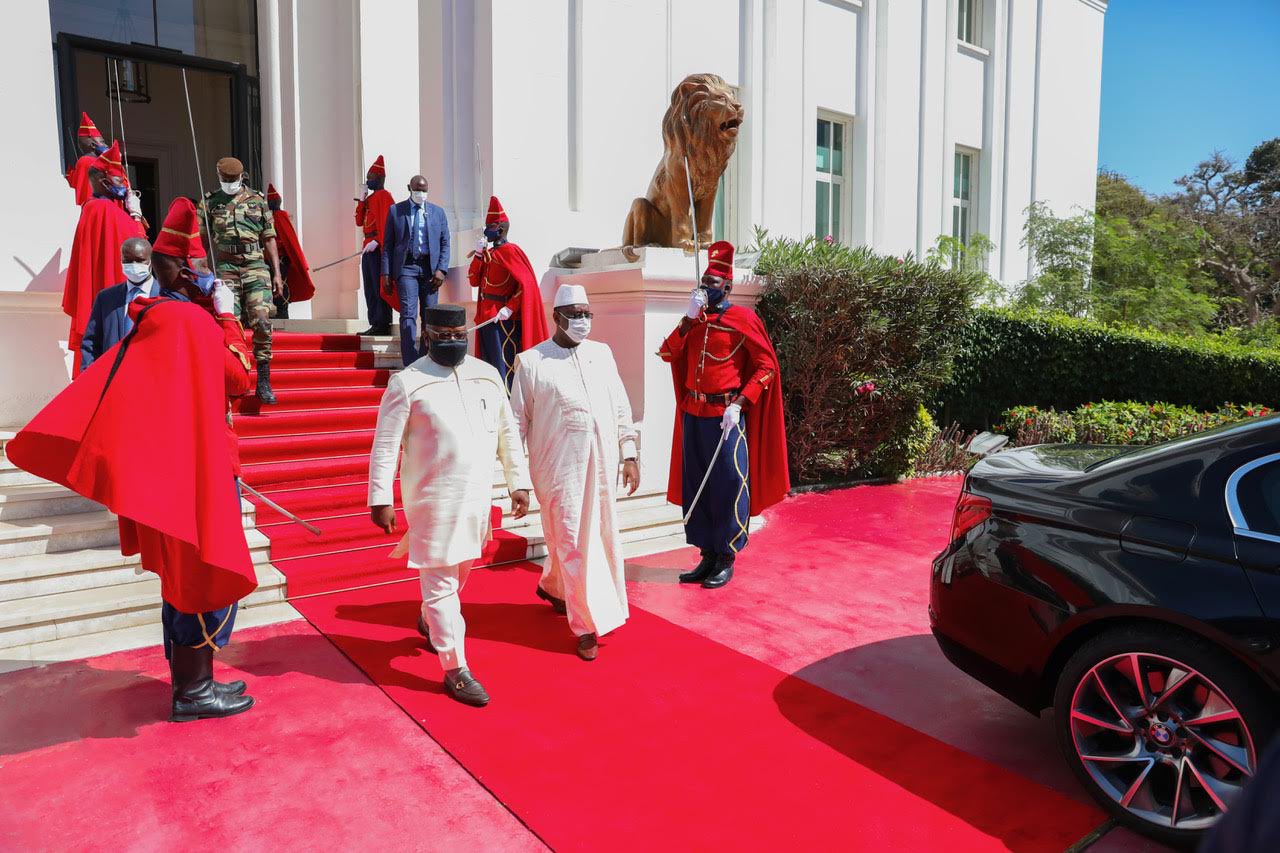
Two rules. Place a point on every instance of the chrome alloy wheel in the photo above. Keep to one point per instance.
(1162, 740)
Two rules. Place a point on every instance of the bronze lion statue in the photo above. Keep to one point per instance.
(701, 124)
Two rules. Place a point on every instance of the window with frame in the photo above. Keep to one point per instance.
(829, 179)
(723, 215)
(1258, 496)
(969, 21)
(964, 180)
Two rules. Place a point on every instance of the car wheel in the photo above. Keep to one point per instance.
(1161, 727)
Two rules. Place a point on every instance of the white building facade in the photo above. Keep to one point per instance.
(879, 122)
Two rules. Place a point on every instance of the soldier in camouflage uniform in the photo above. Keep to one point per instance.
(244, 246)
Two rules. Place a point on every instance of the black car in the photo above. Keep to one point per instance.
(1137, 592)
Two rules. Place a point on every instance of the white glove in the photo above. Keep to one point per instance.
(731, 418)
(133, 205)
(224, 301)
(371, 246)
(481, 245)
(504, 314)
(697, 303)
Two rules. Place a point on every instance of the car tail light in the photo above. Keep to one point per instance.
(971, 510)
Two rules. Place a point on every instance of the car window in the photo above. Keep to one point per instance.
(1143, 452)
(1258, 496)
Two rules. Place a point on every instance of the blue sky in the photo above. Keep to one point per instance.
(1181, 78)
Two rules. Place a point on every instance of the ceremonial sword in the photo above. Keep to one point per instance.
(724, 436)
(311, 528)
(338, 261)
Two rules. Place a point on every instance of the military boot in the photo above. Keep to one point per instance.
(702, 570)
(722, 574)
(195, 696)
(265, 394)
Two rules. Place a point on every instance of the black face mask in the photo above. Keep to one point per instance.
(447, 353)
(374, 184)
(274, 205)
(715, 296)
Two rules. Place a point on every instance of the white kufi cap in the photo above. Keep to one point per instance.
(570, 294)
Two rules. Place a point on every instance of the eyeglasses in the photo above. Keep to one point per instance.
(577, 315)
(440, 335)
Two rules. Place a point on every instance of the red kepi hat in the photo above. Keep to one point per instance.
(720, 259)
(378, 169)
(180, 235)
(496, 213)
(272, 195)
(109, 161)
(88, 129)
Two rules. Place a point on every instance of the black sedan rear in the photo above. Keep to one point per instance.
(1137, 592)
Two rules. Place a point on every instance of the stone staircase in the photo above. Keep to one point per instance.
(65, 590)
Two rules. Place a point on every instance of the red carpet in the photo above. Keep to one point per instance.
(310, 454)
(673, 740)
(324, 762)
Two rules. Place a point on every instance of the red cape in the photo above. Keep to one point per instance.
(533, 317)
(78, 178)
(156, 454)
(301, 287)
(95, 262)
(374, 211)
(769, 477)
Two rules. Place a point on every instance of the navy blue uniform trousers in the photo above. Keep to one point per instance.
(211, 628)
(371, 268)
(416, 295)
(720, 520)
(499, 345)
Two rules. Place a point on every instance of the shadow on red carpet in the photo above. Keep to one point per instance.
(640, 746)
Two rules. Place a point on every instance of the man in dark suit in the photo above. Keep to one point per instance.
(109, 320)
(415, 261)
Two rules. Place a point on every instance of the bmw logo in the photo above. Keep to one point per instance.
(1161, 734)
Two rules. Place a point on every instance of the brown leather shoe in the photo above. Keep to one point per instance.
(426, 634)
(588, 647)
(557, 604)
(463, 686)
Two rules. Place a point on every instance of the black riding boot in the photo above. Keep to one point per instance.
(265, 394)
(723, 572)
(702, 570)
(226, 688)
(195, 696)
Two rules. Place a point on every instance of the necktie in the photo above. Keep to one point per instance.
(134, 293)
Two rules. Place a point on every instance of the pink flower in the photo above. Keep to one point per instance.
(829, 240)
(865, 388)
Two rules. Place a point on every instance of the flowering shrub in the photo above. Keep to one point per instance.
(1117, 422)
(863, 339)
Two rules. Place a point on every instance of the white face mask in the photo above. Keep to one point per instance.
(578, 329)
(418, 196)
(231, 188)
(137, 271)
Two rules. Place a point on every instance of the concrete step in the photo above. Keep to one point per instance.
(70, 532)
(131, 637)
(88, 611)
(12, 475)
(33, 500)
(87, 568)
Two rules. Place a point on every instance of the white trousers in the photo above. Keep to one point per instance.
(442, 611)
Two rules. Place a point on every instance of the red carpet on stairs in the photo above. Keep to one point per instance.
(673, 740)
(310, 454)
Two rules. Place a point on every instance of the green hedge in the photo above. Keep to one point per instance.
(1012, 359)
(1117, 423)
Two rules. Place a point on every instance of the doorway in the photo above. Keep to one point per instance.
(138, 95)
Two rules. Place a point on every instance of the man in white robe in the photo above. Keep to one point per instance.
(450, 412)
(575, 417)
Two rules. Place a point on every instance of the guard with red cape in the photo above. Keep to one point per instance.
(298, 286)
(178, 504)
(508, 295)
(371, 216)
(90, 140)
(95, 252)
(728, 396)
